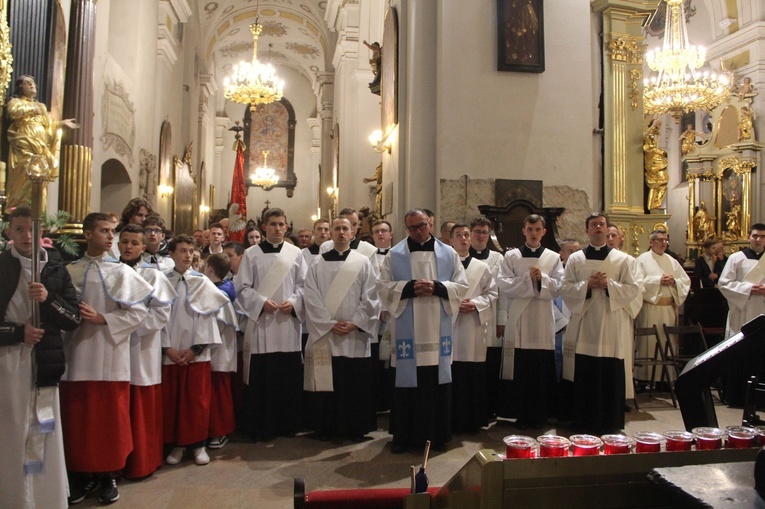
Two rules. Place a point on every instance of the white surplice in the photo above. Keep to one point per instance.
(270, 332)
(652, 267)
(427, 317)
(737, 288)
(471, 330)
(193, 319)
(146, 341)
(530, 317)
(599, 324)
(102, 352)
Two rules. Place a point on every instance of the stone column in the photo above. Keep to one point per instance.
(623, 52)
(77, 147)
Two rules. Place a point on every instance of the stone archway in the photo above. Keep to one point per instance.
(116, 186)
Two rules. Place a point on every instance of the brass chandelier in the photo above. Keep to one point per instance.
(253, 82)
(264, 176)
(679, 86)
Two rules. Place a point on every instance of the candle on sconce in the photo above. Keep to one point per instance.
(2, 176)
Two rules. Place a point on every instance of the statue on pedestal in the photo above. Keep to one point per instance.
(655, 164)
(378, 179)
(703, 223)
(32, 133)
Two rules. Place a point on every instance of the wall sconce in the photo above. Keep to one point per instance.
(376, 140)
(165, 191)
(332, 191)
(204, 209)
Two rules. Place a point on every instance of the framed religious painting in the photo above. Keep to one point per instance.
(520, 36)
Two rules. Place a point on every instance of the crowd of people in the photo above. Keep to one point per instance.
(156, 347)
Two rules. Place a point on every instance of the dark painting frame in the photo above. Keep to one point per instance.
(520, 36)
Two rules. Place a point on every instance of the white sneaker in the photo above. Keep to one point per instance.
(201, 457)
(218, 442)
(175, 456)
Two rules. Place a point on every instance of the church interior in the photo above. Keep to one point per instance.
(498, 108)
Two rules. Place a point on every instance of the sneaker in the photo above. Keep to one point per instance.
(218, 442)
(108, 494)
(175, 456)
(79, 491)
(201, 457)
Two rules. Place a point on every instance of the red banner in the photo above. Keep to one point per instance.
(238, 194)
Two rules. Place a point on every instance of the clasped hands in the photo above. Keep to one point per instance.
(598, 281)
(342, 327)
(271, 306)
(424, 287)
(667, 280)
(758, 289)
(182, 357)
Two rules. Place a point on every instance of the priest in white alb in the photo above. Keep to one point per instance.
(530, 279)
(472, 327)
(342, 314)
(665, 287)
(269, 289)
(598, 285)
(422, 284)
(742, 282)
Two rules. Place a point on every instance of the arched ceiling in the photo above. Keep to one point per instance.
(294, 34)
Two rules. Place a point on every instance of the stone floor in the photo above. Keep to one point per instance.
(260, 475)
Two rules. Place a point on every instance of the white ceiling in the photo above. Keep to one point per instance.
(295, 29)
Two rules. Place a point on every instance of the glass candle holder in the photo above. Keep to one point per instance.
(740, 437)
(553, 446)
(678, 440)
(520, 446)
(647, 441)
(760, 435)
(617, 444)
(585, 445)
(708, 438)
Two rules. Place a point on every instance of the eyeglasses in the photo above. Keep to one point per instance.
(420, 227)
(480, 232)
(382, 230)
(155, 231)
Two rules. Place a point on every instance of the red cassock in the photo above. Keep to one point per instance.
(186, 402)
(95, 417)
(222, 420)
(146, 422)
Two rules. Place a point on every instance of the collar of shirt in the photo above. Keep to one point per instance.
(335, 256)
(466, 260)
(480, 255)
(596, 252)
(267, 247)
(751, 254)
(531, 252)
(383, 251)
(313, 249)
(429, 245)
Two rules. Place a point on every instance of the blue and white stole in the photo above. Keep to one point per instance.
(406, 351)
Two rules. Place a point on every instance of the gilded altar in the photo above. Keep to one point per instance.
(719, 170)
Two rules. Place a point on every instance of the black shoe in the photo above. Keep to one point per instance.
(107, 493)
(397, 448)
(79, 491)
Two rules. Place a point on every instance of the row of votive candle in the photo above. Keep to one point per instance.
(552, 446)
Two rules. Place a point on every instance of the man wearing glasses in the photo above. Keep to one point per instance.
(499, 390)
(422, 284)
(598, 286)
(154, 227)
(665, 288)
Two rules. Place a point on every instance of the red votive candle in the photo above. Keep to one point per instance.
(585, 445)
(678, 440)
(553, 446)
(708, 438)
(740, 437)
(520, 446)
(617, 444)
(760, 435)
(646, 441)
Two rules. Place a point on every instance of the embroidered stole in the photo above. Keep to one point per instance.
(406, 347)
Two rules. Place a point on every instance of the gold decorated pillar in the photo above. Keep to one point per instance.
(622, 55)
(77, 147)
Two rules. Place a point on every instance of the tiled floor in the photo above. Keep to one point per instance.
(260, 475)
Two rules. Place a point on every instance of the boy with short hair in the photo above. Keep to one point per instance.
(223, 361)
(146, 360)
(95, 390)
(186, 368)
